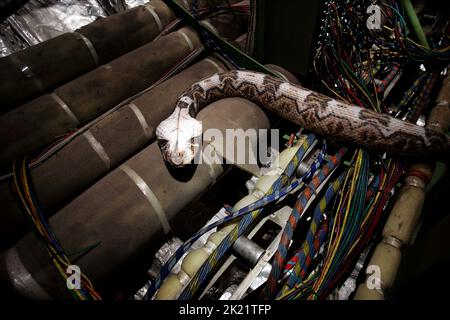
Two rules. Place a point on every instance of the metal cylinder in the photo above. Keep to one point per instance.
(41, 68)
(56, 186)
(283, 73)
(248, 250)
(38, 122)
(127, 210)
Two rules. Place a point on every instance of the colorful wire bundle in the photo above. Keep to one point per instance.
(307, 252)
(344, 230)
(409, 95)
(44, 231)
(358, 65)
(288, 231)
(168, 266)
(423, 98)
(352, 225)
(319, 239)
(349, 57)
(243, 225)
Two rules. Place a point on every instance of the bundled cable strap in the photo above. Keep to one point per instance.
(281, 254)
(44, 231)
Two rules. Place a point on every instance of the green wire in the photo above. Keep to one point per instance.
(84, 250)
(410, 12)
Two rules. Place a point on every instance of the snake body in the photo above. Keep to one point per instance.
(310, 110)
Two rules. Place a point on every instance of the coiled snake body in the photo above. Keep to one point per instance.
(310, 110)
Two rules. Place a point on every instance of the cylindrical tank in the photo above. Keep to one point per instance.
(121, 134)
(41, 68)
(127, 210)
(35, 124)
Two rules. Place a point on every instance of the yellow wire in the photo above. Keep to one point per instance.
(378, 108)
(359, 87)
(337, 94)
(331, 254)
(30, 209)
(419, 45)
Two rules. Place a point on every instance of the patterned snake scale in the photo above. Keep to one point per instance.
(310, 110)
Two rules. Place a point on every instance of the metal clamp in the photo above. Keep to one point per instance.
(98, 148)
(66, 108)
(151, 9)
(140, 117)
(149, 195)
(26, 70)
(248, 250)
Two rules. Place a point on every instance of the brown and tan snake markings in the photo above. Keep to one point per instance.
(381, 118)
(438, 141)
(318, 101)
(182, 104)
(318, 113)
(272, 84)
(401, 140)
(285, 107)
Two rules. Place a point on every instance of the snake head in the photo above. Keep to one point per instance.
(179, 138)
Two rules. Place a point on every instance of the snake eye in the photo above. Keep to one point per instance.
(163, 143)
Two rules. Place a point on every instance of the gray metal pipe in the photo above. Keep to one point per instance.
(56, 186)
(248, 250)
(127, 210)
(121, 134)
(41, 68)
(38, 122)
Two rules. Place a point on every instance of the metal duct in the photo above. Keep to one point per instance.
(42, 67)
(142, 197)
(38, 122)
(121, 134)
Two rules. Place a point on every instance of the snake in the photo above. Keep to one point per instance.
(178, 135)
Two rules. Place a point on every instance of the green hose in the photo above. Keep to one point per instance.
(415, 23)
